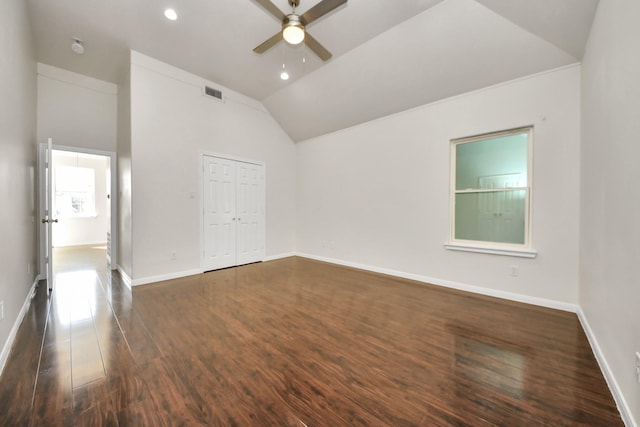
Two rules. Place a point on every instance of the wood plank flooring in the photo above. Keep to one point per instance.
(294, 342)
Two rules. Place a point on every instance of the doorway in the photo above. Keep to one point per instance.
(79, 203)
(80, 208)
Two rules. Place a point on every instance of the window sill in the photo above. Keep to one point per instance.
(522, 253)
(78, 217)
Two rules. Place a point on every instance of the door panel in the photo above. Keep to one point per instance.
(250, 215)
(219, 213)
(48, 214)
(44, 209)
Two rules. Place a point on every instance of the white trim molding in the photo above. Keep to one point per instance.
(616, 392)
(163, 277)
(125, 277)
(94, 243)
(76, 79)
(16, 325)
(524, 253)
(512, 296)
(279, 256)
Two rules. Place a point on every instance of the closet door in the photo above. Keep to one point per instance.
(219, 213)
(234, 217)
(249, 211)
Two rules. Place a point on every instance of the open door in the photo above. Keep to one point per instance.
(46, 214)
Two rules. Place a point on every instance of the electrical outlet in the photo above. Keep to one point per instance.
(173, 254)
(515, 271)
(638, 367)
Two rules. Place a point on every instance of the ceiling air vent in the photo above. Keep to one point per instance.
(214, 93)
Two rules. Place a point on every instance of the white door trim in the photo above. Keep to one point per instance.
(203, 153)
(114, 199)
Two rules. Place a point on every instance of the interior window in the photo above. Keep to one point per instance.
(74, 192)
(491, 189)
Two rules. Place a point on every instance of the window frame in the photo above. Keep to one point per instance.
(511, 249)
(90, 192)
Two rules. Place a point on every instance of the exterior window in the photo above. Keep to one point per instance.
(491, 191)
(75, 192)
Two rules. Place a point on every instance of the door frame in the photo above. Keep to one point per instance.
(201, 156)
(113, 166)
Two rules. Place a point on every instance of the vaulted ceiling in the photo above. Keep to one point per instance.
(388, 56)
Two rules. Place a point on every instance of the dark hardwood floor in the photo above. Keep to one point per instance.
(293, 342)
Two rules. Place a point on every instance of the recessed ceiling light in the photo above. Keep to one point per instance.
(284, 75)
(171, 14)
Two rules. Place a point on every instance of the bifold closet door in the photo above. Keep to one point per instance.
(233, 212)
(249, 213)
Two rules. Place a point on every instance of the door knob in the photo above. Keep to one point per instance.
(45, 220)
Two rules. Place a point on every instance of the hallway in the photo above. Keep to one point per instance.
(65, 340)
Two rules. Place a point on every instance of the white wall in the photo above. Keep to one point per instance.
(17, 165)
(75, 110)
(610, 230)
(125, 254)
(88, 230)
(378, 194)
(171, 122)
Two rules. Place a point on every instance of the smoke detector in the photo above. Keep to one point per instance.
(77, 46)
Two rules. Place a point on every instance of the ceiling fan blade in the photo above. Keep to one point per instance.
(272, 9)
(269, 43)
(316, 47)
(320, 10)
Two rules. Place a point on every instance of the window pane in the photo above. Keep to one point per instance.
(74, 191)
(492, 163)
(491, 217)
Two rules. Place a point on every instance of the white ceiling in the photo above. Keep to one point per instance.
(389, 56)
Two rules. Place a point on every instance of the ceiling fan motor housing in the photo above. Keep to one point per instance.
(292, 20)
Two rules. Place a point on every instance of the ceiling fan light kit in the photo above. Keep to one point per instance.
(293, 30)
(294, 25)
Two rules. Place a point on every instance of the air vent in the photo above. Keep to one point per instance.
(215, 93)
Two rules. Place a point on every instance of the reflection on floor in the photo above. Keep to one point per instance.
(293, 342)
(75, 258)
(77, 281)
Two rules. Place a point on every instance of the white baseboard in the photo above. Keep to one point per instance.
(279, 256)
(162, 277)
(543, 302)
(125, 277)
(623, 407)
(178, 274)
(16, 325)
(78, 244)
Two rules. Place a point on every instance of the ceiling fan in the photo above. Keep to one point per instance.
(293, 25)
